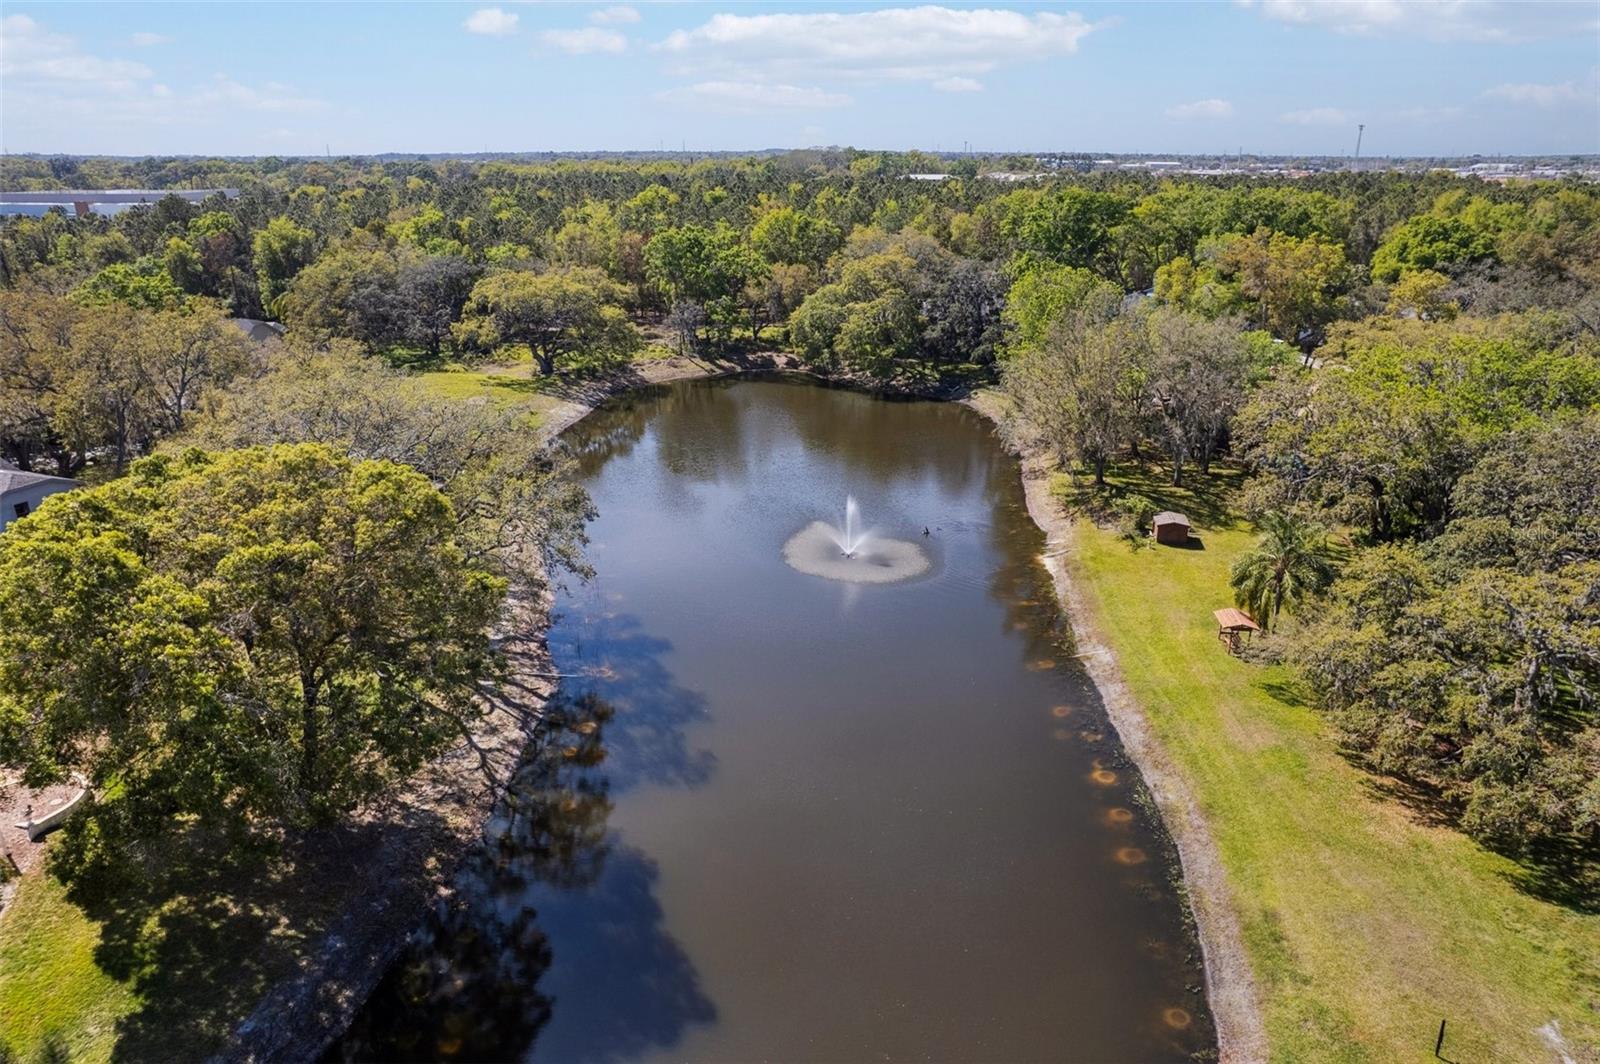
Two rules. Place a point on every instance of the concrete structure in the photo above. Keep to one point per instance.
(38, 826)
(1171, 528)
(21, 493)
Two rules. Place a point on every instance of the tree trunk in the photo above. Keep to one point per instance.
(1099, 470)
(547, 361)
(122, 440)
(310, 739)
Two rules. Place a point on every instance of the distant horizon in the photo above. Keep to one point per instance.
(1294, 78)
(941, 153)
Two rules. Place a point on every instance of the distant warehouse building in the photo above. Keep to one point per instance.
(86, 201)
(21, 493)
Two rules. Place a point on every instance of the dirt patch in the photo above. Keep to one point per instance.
(20, 854)
(1230, 985)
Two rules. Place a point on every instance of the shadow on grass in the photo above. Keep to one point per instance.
(1287, 692)
(1569, 878)
(200, 931)
(1206, 498)
(1561, 872)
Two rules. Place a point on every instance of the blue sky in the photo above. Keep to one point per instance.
(1269, 76)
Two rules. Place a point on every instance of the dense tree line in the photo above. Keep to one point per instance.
(1407, 364)
(386, 253)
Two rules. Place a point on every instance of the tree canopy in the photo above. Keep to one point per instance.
(264, 636)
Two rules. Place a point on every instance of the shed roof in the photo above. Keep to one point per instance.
(1171, 517)
(1231, 619)
(13, 479)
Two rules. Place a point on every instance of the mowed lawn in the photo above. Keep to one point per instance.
(503, 386)
(1366, 924)
(56, 1003)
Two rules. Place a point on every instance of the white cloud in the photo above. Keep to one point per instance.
(271, 97)
(491, 22)
(30, 55)
(908, 43)
(615, 15)
(147, 40)
(1427, 114)
(748, 97)
(1212, 108)
(958, 85)
(50, 79)
(1316, 116)
(1543, 95)
(586, 41)
(1502, 21)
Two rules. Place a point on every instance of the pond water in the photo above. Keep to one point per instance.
(778, 816)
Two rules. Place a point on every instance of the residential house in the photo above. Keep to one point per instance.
(21, 492)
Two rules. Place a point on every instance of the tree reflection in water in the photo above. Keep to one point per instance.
(465, 988)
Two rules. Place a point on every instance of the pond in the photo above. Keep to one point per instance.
(780, 815)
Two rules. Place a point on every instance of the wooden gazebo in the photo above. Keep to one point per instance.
(1233, 627)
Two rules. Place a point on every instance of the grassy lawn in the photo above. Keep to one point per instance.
(161, 966)
(503, 386)
(1366, 924)
(55, 1001)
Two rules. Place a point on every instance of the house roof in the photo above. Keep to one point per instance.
(1236, 620)
(15, 479)
(258, 330)
(1171, 517)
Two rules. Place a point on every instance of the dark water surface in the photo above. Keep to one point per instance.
(781, 818)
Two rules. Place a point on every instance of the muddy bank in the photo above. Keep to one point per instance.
(588, 395)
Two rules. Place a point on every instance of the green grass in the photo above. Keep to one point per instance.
(55, 1001)
(1365, 921)
(162, 961)
(655, 353)
(503, 386)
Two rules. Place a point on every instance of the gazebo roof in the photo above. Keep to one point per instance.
(1232, 620)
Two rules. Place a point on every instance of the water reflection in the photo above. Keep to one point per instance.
(610, 655)
(466, 986)
(818, 821)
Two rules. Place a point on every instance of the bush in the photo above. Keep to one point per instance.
(1134, 512)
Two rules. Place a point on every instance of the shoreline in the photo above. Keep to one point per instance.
(1231, 991)
(426, 831)
(332, 985)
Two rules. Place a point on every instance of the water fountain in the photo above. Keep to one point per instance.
(853, 552)
(851, 538)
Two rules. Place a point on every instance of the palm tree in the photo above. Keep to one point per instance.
(1290, 563)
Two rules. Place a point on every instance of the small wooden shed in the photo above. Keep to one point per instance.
(1171, 527)
(1233, 627)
